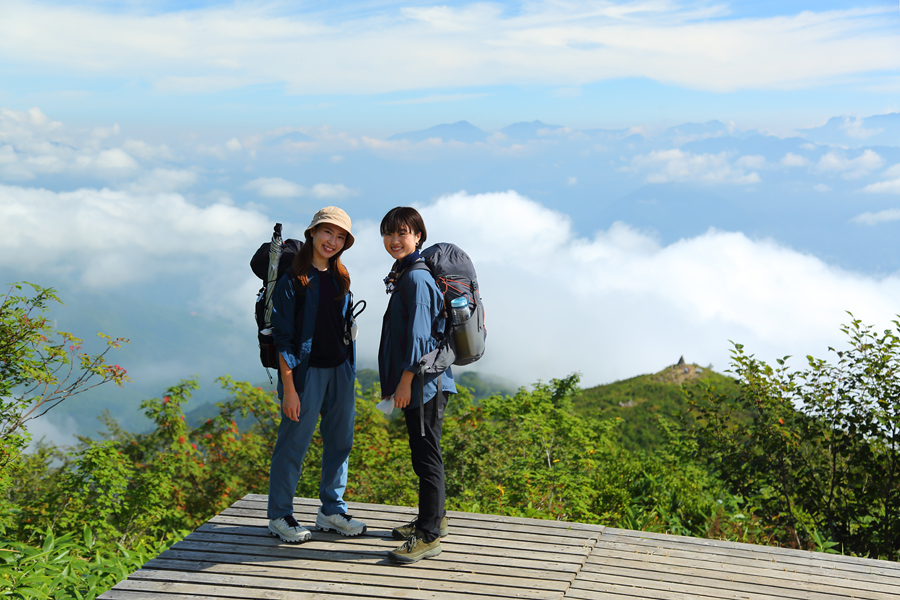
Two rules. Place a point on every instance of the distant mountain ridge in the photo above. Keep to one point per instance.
(856, 132)
(461, 131)
(845, 131)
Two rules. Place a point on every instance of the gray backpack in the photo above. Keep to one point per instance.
(464, 336)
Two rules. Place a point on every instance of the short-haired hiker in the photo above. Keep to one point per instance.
(316, 377)
(413, 313)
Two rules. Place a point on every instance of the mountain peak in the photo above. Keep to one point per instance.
(461, 131)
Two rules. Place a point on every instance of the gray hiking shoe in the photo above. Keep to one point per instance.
(415, 549)
(404, 531)
(287, 529)
(342, 523)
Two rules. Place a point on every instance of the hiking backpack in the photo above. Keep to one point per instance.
(269, 263)
(462, 342)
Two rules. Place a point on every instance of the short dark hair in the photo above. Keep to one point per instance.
(397, 217)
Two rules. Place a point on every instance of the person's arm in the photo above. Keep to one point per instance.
(283, 322)
(283, 308)
(290, 404)
(403, 393)
(417, 297)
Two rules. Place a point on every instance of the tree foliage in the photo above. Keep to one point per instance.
(40, 367)
(821, 455)
(802, 458)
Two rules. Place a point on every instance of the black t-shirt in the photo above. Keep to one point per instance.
(328, 348)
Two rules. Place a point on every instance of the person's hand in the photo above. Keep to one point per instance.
(402, 394)
(291, 405)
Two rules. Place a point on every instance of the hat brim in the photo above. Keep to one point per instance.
(350, 238)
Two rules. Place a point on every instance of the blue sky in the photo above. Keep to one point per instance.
(385, 67)
(701, 171)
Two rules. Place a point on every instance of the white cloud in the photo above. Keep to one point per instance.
(855, 128)
(113, 238)
(438, 98)
(565, 45)
(884, 216)
(676, 165)
(330, 191)
(233, 144)
(821, 187)
(881, 187)
(619, 303)
(794, 160)
(275, 187)
(850, 168)
(115, 160)
(753, 161)
(215, 150)
(32, 145)
(164, 180)
(147, 151)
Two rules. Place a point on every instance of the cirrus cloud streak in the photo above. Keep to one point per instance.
(436, 47)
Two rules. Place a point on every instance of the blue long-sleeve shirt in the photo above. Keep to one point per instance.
(406, 336)
(294, 340)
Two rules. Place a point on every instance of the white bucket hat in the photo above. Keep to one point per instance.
(335, 216)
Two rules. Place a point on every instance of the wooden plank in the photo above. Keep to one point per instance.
(248, 588)
(487, 557)
(600, 556)
(666, 589)
(341, 553)
(792, 560)
(286, 556)
(724, 580)
(774, 551)
(192, 561)
(631, 592)
(263, 500)
(456, 536)
(229, 517)
(389, 576)
(122, 594)
(470, 519)
(601, 560)
(333, 541)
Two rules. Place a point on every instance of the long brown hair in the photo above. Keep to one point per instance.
(303, 263)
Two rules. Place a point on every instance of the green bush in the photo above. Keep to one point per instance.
(70, 566)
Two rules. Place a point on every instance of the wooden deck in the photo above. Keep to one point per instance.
(487, 557)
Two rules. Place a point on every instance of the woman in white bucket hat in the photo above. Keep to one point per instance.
(316, 375)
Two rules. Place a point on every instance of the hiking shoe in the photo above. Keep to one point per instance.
(404, 531)
(342, 523)
(415, 548)
(287, 529)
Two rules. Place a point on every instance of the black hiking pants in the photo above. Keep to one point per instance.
(428, 463)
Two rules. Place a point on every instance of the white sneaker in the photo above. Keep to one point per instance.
(287, 529)
(343, 523)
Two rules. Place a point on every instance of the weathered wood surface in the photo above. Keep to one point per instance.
(487, 557)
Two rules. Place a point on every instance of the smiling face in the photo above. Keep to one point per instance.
(327, 240)
(402, 243)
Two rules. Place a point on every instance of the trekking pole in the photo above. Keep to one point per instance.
(275, 249)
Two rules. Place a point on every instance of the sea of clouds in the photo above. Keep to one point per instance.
(79, 211)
